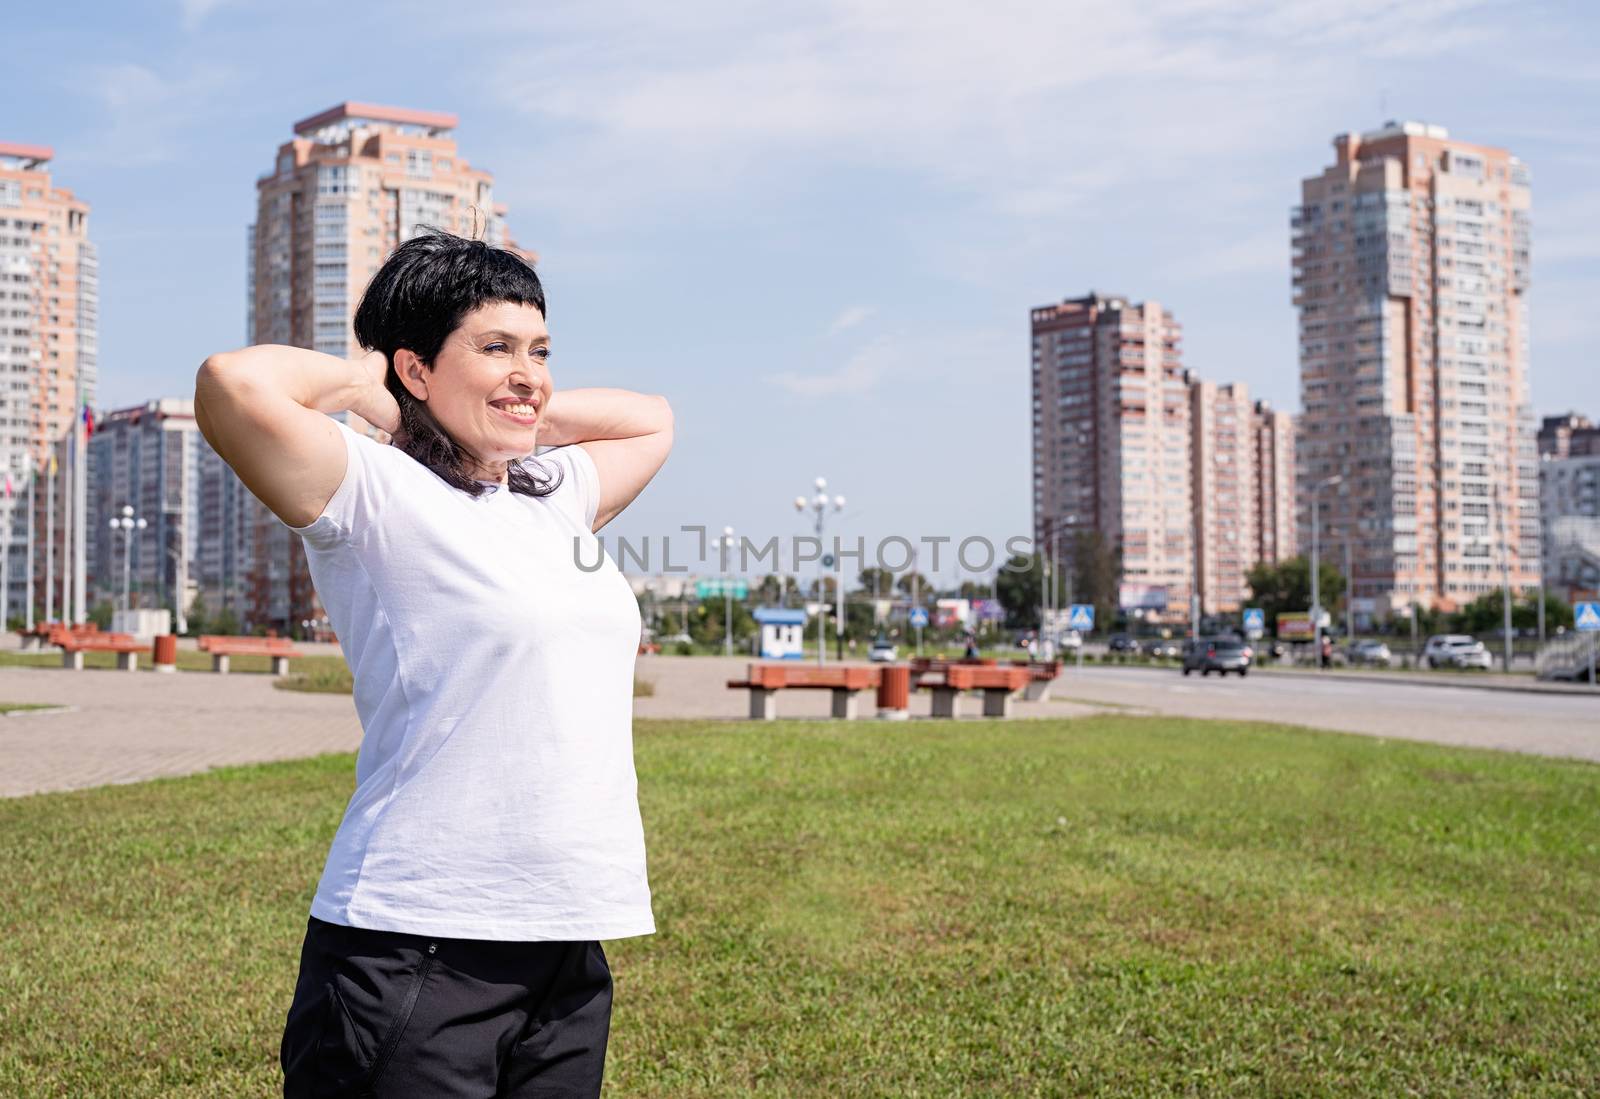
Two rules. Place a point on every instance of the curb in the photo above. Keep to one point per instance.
(1392, 680)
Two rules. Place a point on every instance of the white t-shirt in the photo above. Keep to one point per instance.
(495, 791)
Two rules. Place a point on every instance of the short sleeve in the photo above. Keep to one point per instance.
(579, 492)
(353, 503)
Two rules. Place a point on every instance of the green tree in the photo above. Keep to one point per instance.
(100, 614)
(908, 582)
(226, 623)
(1096, 574)
(1286, 586)
(1486, 614)
(1020, 585)
(196, 618)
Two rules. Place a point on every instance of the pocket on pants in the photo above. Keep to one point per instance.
(343, 1044)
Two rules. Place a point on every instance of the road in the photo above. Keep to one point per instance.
(1555, 724)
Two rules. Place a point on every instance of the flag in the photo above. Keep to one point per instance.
(88, 422)
(10, 490)
(52, 465)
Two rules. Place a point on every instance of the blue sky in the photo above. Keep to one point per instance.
(819, 228)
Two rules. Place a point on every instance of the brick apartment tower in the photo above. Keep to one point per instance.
(1411, 261)
(354, 182)
(1111, 441)
(49, 302)
(1273, 484)
(1222, 441)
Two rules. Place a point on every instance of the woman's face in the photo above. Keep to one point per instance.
(489, 383)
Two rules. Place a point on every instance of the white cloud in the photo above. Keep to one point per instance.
(1032, 110)
(144, 114)
(860, 373)
(193, 12)
(849, 317)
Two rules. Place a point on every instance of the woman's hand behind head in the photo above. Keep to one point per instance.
(373, 402)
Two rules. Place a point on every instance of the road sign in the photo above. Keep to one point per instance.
(1587, 616)
(827, 560)
(1255, 618)
(919, 617)
(705, 589)
(1080, 617)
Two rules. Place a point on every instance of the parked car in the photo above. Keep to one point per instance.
(883, 651)
(1372, 654)
(1217, 654)
(1161, 648)
(1122, 643)
(1455, 650)
(1070, 641)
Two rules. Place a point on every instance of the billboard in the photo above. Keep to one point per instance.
(1142, 597)
(1294, 626)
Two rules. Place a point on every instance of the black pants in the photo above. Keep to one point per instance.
(384, 1014)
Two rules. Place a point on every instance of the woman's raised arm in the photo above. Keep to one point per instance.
(263, 410)
(627, 434)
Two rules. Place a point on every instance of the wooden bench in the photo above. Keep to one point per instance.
(46, 633)
(74, 645)
(846, 681)
(998, 684)
(280, 649)
(923, 665)
(1044, 674)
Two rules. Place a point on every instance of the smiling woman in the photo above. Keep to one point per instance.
(494, 836)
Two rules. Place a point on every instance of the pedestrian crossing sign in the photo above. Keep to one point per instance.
(1255, 619)
(1080, 617)
(1587, 616)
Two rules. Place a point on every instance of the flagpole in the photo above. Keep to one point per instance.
(80, 578)
(5, 558)
(66, 539)
(50, 539)
(27, 604)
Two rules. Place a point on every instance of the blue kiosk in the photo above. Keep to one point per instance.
(782, 632)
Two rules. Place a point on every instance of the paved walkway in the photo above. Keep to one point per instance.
(125, 727)
(129, 726)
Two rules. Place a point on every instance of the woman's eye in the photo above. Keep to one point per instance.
(542, 352)
(495, 347)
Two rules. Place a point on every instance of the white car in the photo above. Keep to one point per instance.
(1455, 650)
(882, 652)
(1070, 641)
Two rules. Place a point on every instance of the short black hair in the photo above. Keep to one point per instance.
(419, 296)
(428, 284)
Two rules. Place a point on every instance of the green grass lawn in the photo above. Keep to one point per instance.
(1106, 906)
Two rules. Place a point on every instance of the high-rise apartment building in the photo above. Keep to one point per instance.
(1411, 261)
(1568, 436)
(146, 458)
(49, 324)
(353, 183)
(1222, 447)
(1273, 484)
(1111, 441)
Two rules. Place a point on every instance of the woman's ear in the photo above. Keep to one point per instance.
(412, 373)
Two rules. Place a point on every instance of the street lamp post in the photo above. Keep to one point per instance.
(1505, 575)
(1316, 598)
(723, 544)
(819, 505)
(127, 522)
